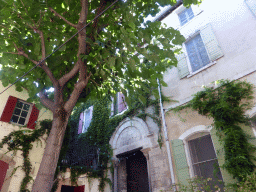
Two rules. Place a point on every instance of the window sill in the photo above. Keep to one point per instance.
(120, 113)
(203, 68)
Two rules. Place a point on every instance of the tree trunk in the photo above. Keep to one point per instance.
(45, 176)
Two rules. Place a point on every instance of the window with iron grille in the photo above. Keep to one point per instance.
(186, 16)
(197, 53)
(204, 160)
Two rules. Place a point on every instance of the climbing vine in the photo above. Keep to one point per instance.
(23, 140)
(227, 105)
(101, 129)
(98, 135)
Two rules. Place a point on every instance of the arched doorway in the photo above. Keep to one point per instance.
(131, 142)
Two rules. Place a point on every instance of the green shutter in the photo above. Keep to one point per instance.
(219, 149)
(211, 43)
(248, 130)
(182, 65)
(252, 5)
(180, 161)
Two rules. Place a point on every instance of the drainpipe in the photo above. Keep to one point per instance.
(166, 136)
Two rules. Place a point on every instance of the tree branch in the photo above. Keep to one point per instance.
(65, 78)
(46, 101)
(42, 43)
(27, 12)
(22, 52)
(79, 86)
(95, 23)
(39, 21)
(61, 17)
(43, 66)
(84, 12)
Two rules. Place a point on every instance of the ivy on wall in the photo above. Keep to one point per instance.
(101, 129)
(227, 105)
(23, 140)
(98, 135)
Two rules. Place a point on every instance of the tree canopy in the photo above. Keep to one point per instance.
(117, 51)
(31, 30)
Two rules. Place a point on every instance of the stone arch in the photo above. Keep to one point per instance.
(194, 130)
(132, 133)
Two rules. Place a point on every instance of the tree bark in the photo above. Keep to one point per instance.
(45, 176)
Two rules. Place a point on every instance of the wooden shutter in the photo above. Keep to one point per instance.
(252, 5)
(79, 189)
(180, 161)
(219, 149)
(3, 169)
(80, 125)
(122, 105)
(182, 65)
(211, 43)
(9, 108)
(33, 118)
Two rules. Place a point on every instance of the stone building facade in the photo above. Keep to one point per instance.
(220, 44)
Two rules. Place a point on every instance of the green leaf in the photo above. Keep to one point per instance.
(63, 48)
(142, 99)
(111, 62)
(132, 64)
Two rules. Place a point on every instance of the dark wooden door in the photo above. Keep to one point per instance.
(66, 188)
(137, 173)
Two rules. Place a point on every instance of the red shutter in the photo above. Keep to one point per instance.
(9, 108)
(33, 118)
(3, 169)
(79, 189)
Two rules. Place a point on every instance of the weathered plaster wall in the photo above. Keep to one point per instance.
(234, 27)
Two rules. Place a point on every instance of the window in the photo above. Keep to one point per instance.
(197, 53)
(202, 50)
(186, 16)
(85, 120)
(204, 160)
(20, 112)
(118, 104)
